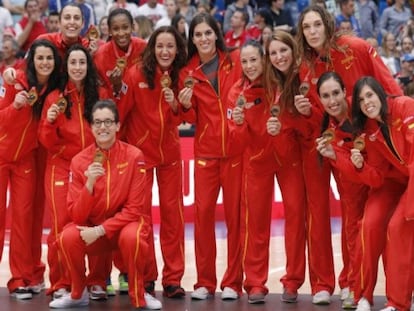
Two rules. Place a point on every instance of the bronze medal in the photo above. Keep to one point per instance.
(359, 143)
(304, 88)
(189, 82)
(32, 96)
(93, 33)
(275, 110)
(62, 103)
(99, 157)
(241, 101)
(121, 63)
(165, 81)
(329, 135)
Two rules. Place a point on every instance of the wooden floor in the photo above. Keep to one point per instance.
(276, 271)
(273, 303)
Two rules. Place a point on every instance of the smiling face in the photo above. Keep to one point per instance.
(44, 62)
(121, 31)
(165, 50)
(105, 136)
(251, 62)
(71, 22)
(204, 39)
(370, 103)
(77, 66)
(280, 55)
(333, 99)
(314, 30)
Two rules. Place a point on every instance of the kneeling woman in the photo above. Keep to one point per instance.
(106, 203)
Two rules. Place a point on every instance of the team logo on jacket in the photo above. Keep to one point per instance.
(2, 91)
(143, 85)
(229, 113)
(348, 60)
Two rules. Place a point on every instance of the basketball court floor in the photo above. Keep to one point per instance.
(276, 270)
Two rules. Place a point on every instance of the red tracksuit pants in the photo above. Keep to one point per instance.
(378, 210)
(319, 238)
(131, 240)
(258, 190)
(399, 251)
(56, 189)
(21, 178)
(169, 181)
(209, 175)
(352, 198)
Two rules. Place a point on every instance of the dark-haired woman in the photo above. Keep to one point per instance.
(120, 53)
(206, 80)
(321, 50)
(264, 158)
(151, 125)
(64, 131)
(20, 110)
(387, 124)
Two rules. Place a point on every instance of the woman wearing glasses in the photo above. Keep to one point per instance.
(106, 204)
(64, 131)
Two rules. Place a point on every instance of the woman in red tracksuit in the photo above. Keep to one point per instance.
(64, 131)
(208, 76)
(151, 125)
(264, 157)
(337, 123)
(324, 50)
(388, 123)
(106, 204)
(19, 121)
(281, 67)
(121, 46)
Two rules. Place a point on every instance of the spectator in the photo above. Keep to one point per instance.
(6, 20)
(265, 36)
(9, 55)
(186, 9)
(389, 53)
(179, 23)
(345, 26)
(237, 34)
(262, 18)
(143, 27)
(171, 9)
(238, 5)
(407, 45)
(394, 18)
(282, 18)
(16, 8)
(100, 7)
(347, 8)
(405, 75)
(153, 10)
(103, 29)
(30, 26)
(130, 6)
(52, 24)
(369, 17)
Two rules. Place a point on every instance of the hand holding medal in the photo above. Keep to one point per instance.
(328, 135)
(32, 96)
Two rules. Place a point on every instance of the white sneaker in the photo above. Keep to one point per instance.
(60, 293)
(21, 293)
(67, 301)
(321, 298)
(389, 308)
(229, 294)
(96, 292)
(36, 289)
(200, 293)
(151, 302)
(363, 305)
(344, 293)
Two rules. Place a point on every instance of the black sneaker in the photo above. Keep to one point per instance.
(22, 293)
(173, 291)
